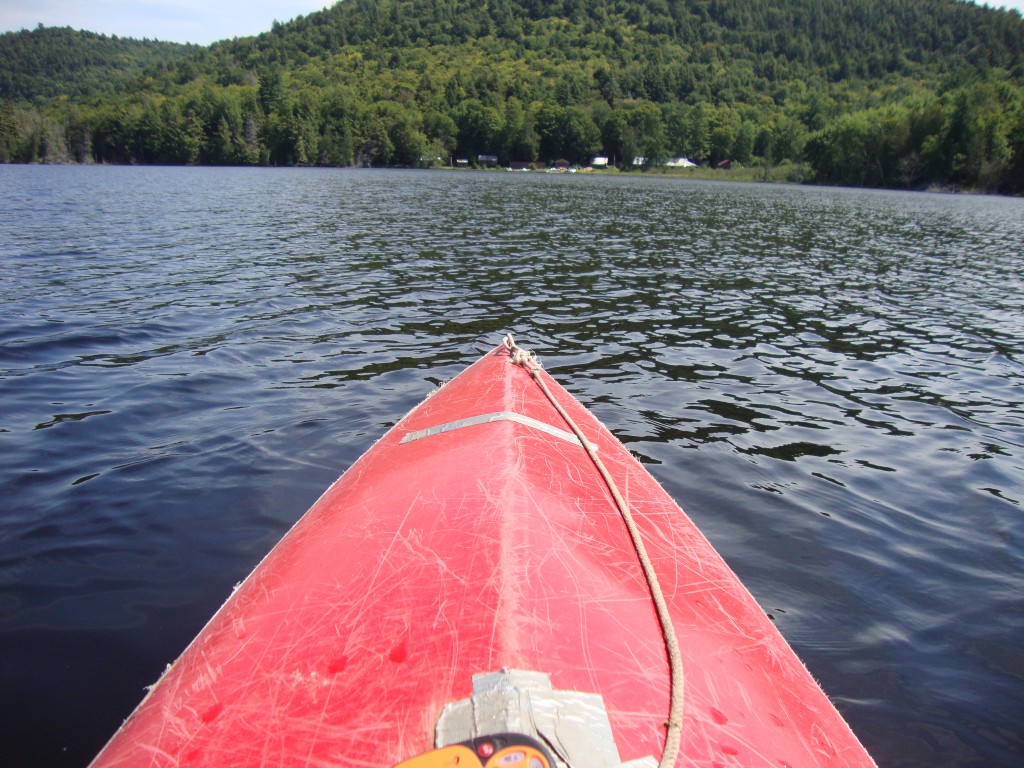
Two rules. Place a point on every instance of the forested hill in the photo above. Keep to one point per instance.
(834, 39)
(894, 93)
(54, 61)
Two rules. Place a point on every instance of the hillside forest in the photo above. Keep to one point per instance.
(885, 93)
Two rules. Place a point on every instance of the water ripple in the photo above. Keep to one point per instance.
(830, 381)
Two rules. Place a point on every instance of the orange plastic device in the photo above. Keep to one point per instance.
(503, 750)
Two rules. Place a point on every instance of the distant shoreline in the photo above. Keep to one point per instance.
(786, 173)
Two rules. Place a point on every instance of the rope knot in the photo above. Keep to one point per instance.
(519, 355)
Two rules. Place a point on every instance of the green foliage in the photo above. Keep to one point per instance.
(966, 137)
(635, 133)
(895, 93)
(567, 133)
(52, 62)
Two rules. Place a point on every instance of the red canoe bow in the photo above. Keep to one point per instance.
(475, 536)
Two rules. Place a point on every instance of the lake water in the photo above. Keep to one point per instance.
(830, 382)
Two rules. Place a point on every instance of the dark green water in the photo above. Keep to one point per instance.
(830, 382)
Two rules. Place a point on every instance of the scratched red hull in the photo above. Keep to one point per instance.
(488, 546)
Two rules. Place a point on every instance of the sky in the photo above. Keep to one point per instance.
(180, 21)
(174, 21)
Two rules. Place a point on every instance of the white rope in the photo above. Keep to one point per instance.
(673, 737)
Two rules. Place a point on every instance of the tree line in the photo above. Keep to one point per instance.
(905, 102)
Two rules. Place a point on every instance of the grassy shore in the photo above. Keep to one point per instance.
(784, 173)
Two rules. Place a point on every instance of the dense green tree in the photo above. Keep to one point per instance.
(853, 149)
(550, 131)
(567, 133)
(647, 134)
(408, 144)
(1013, 182)
(743, 142)
(10, 139)
(965, 139)
(976, 136)
(880, 92)
(479, 129)
(785, 138)
(581, 138)
(60, 62)
(443, 133)
(688, 130)
(618, 137)
(518, 140)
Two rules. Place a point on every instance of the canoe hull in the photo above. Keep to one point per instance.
(483, 541)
